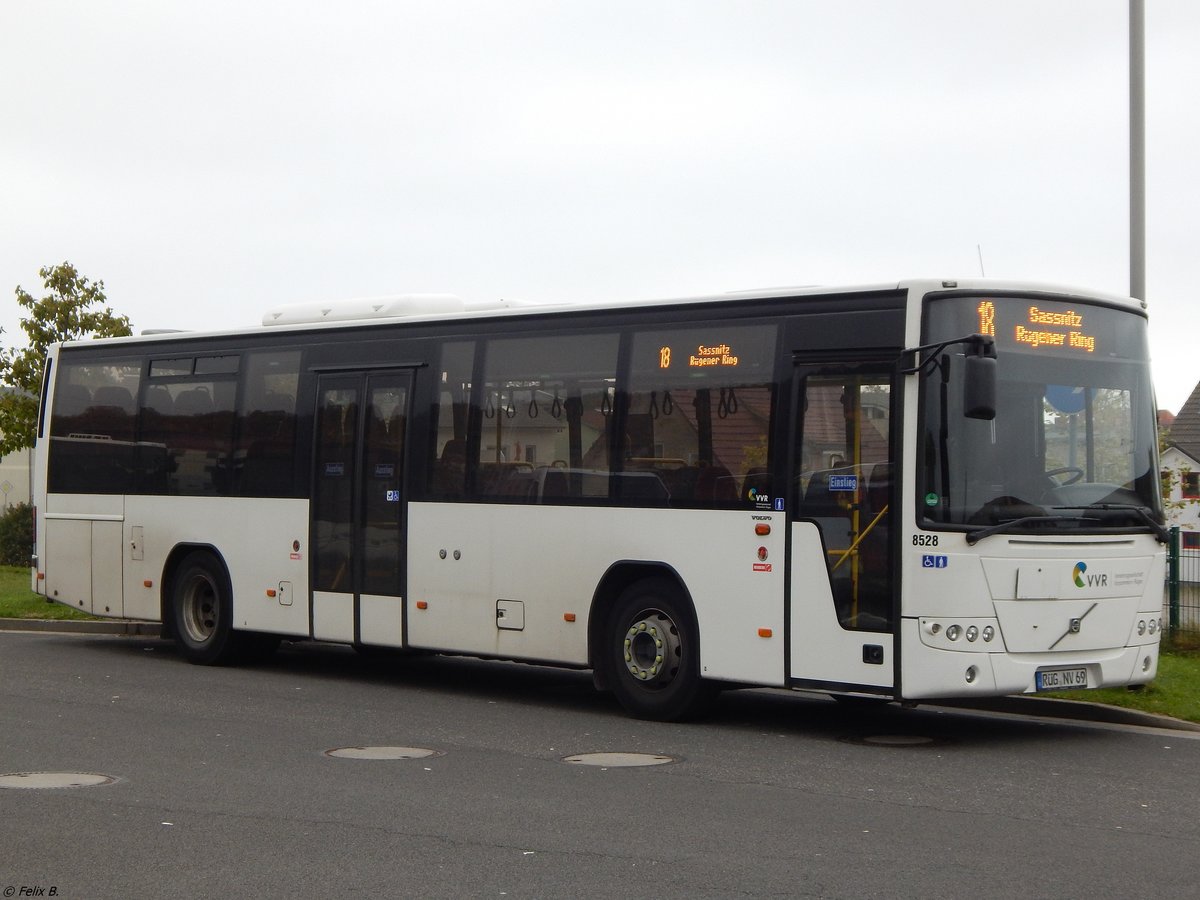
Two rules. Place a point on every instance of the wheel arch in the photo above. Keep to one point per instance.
(619, 576)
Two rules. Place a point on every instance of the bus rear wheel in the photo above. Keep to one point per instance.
(654, 653)
(202, 610)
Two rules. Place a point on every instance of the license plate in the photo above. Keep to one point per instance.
(1061, 679)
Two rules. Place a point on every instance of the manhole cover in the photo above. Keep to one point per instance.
(898, 740)
(30, 780)
(618, 760)
(382, 753)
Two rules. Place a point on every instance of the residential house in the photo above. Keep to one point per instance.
(1181, 471)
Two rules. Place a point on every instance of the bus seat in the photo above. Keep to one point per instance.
(114, 396)
(715, 484)
(680, 482)
(71, 400)
(195, 402)
(819, 500)
(159, 400)
(555, 483)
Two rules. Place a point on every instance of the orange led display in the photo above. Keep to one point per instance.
(1041, 328)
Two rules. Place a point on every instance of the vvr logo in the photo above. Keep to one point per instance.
(1084, 580)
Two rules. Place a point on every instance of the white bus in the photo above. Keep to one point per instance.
(910, 491)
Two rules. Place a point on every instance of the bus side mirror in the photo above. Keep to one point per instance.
(979, 388)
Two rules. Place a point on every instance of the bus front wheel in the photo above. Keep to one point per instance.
(202, 610)
(654, 653)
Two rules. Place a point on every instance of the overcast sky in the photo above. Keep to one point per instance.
(208, 160)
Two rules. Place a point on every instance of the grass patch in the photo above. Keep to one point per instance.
(18, 601)
(1175, 690)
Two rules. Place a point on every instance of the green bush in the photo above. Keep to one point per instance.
(16, 535)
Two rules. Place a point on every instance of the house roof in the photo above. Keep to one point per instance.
(1185, 430)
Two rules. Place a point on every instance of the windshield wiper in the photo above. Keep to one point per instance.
(1161, 533)
(974, 537)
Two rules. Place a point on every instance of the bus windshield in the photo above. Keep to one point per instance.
(1073, 444)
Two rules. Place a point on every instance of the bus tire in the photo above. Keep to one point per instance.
(653, 653)
(202, 610)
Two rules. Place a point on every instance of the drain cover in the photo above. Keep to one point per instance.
(618, 760)
(30, 780)
(898, 740)
(382, 753)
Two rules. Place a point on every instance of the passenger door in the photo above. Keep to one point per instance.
(358, 507)
(842, 582)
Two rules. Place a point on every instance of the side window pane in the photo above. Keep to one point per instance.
(186, 436)
(450, 417)
(266, 444)
(333, 502)
(547, 408)
(699, 419)
(92, 432)
(383, 483)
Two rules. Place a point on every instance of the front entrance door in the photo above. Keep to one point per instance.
(358, 507)
(842, 581)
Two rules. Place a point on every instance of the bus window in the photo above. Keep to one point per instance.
(266, 440)
(547, 407)
(448, 422)
(186, 432)
(92, 432)
(699, 414)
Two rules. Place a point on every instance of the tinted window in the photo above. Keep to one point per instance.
(449, 419)
(92, 430)
(699, 415)
(187, 435)
(264, 458)
(547, 405)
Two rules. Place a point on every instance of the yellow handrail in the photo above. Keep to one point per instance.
(849, 550)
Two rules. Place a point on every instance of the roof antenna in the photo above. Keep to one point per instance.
(979, 251)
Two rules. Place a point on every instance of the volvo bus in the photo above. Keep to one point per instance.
(909, 491)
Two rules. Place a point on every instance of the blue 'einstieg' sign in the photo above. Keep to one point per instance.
(843, 482)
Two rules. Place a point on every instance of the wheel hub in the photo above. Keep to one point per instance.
(200, 610)
(652, 649)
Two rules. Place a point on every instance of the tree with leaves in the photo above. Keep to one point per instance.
(72, 308)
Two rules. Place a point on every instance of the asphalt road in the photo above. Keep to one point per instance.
(223, 787)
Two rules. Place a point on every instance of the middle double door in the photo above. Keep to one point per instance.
(358, 507)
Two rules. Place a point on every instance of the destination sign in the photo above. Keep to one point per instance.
(703, 357)
(712, 353)
(1037, 326)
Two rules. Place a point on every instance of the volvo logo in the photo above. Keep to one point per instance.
(1074, 625)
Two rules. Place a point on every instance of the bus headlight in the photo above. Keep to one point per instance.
(954, 632)
(1141, 627)
(972, 633)
(988, 633)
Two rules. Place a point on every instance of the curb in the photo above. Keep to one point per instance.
(1015, 704)
(1080, 710)
(84, 626)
